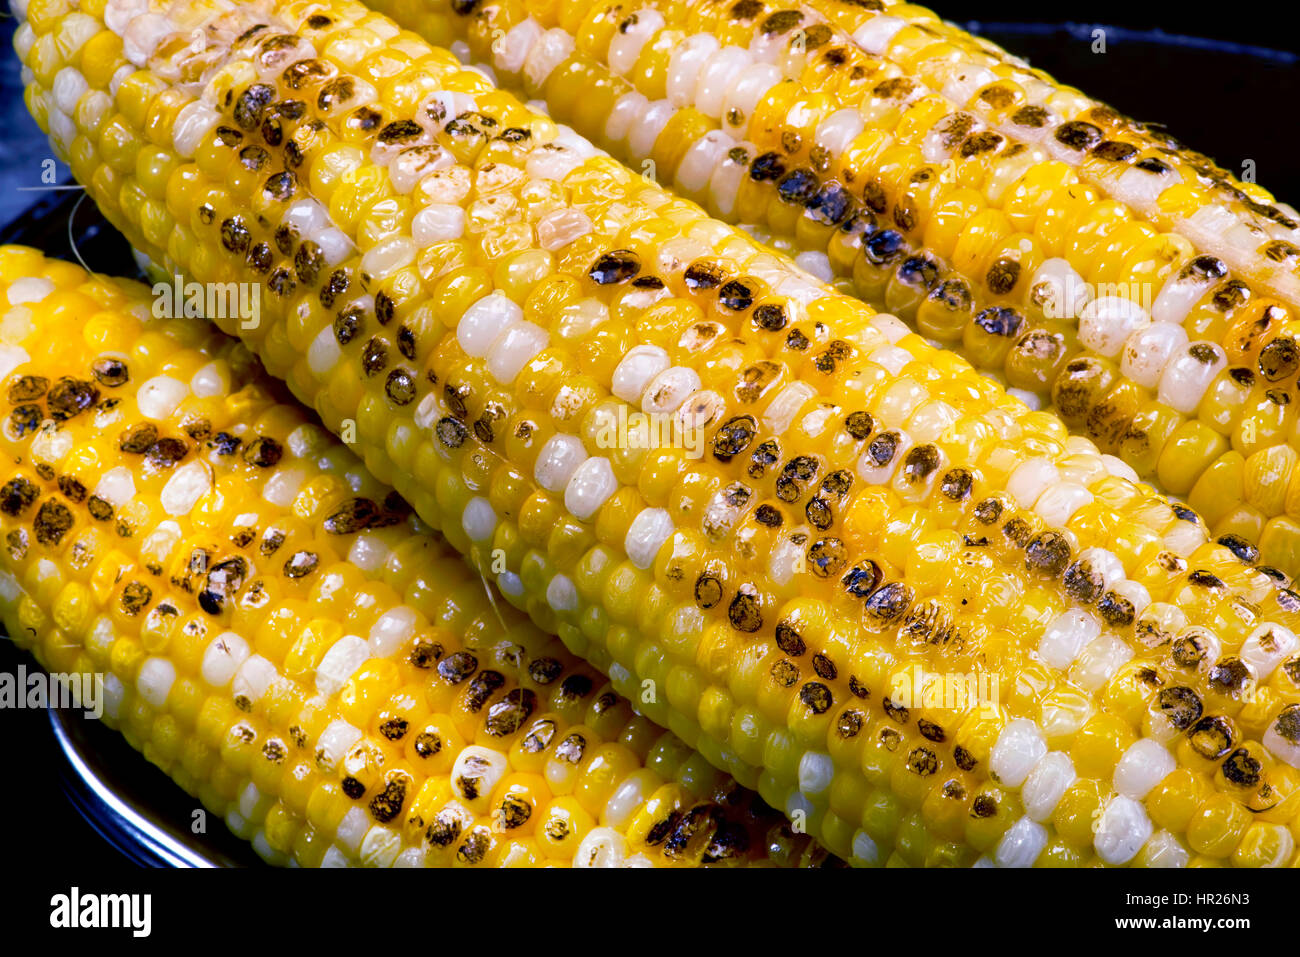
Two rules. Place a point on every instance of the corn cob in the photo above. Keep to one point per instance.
(217, 556)
(1038, 231)
(478, 298)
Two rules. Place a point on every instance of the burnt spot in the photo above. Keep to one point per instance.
(795, 476)
(963, 758)
(251, 103)
(135, 598)
(766, 166)
(99, 509)
(883, 448)
(736, 295)
(919, 464)
(827, 557)
(263, 452)
(309, 262)
(17, 496)
(734, 436)
(400, 387)
(70, 397)
(895, 711)
(771, 317)
(406, 342)
(985, 141)
(1241, 769)
(745, 612)
(374, 357)
(28, 388)
(930, 731)
(138, 439)
(860, 425)
(888, 603)
(1279, 359)
(301, 564)
(1229, 676)
(1116, 610)
(1211, 737)
(166, 453)
(789, 640)
(1048, 554)
(53, 521)
(764, 457)
(387, 804)
(1078, 135)
(816, 697)
(1002, 276)
(348, 323)
(110, 372)
(259, 258)
(509, 714)
(235, 236)
(333, 287)
(703, 276)
(1083, 583)
(336, 93)
(1001, 321)
(861, 580)
(923, 762)
(849, 724)
(768, 516)
(1034, 117)
(984, 806)
(617, 266)
(451, 432)
(785, 673)
(708, 591)
(457, 666)
(884, 247)
(544, 670)
(830, 205)
(73, 490)
(956, 484)
(1152, 164)
(223, 581)
(857, 688)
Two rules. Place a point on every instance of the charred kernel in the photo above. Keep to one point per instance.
(336, 285)
(956, 484)
(963, 758)
(260, 258)
(771, 317)
(883, 448)
(1229, 676)
(1116, 610)
(1279, 359)
(745, 613)
(849, 724)
(884, 247)
(830, 205)
(988, 511)
(617, 266)
(736, 295)
(789, 641)
(385, 308)
(70, 397)
(166, 453)
(226, 444)
(545, 670)
(862, 580)
(235, 236)
(1204, 579)
(222, 583)
(796, 341)
(301, 564)
(827, 557)
(26, 419)
(816, 697)
(481, 688)
(766, 166)
(797, 186)
(708, 591)
(919, 272)
(1002, 276)
(1018, 532)
(1000, 321)
(53, 520)
(138, 439)
(17, 496)
(824, 667)
(352, 516)
(930, 731)
(895, 711)
(251, 103)
(253, 158)
(353, 788)
(135, 597)
(456, 667)
(1180, 705)
(766, 455)
(860, 425)
(374, 357)
(785, 673)
(1083, 583)
(308, 262)
(818, 511)
(1048, 554)
(110, 372)
(348, 323)
(1241, 769)
(922, 761)
(99, 509)
(889, 602)
(857, 688)
(451, 433)
(1078, 135)
(985, 141)
(400, 387)
(984, 806)
(734, 436)
(72, 489)
(919, 464)
(264, 452)
(768, 516)
(703, 276)
(28, 388)
(1211, 737)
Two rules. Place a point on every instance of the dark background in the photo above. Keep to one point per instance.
(1225, 80)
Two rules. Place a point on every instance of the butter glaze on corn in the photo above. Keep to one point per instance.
(867, 505)
(946, 181)
(279, 634)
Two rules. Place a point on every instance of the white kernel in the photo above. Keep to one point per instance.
(1031, 479)
(636, 371)
(1144, 765)
(589, 486)
(186, 486)
(223, 656)
(513, 48)
(561, 227)
(1267, 647)
(684, 66)
(116, 486)
(1021, 844)
(486, 319)
(816, 769)
(479, 519)
(475, 775)
(28, 289)
(669, 389)
(335, 741)
(1019, 747)
(561, 594)
(391, 630)
(252, 678)
(558, 459)
(158, 397)
(1122, 830)
(1105, 324)
(1147, 351)
(715, 77)
(874, 35)
(646, 535)
(1046, 784)
(1057, 505)
(1099, 661)
(342, 660)
(1188, 374)
(514, 349)
(154, 681)
(438, 222)
(602, 847)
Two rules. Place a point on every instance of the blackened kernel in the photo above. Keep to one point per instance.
(374, 357)
(616, 266)
(70, 397)
(816, 697)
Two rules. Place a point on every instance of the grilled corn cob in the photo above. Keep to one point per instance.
(1079, 255)
(484, 303)
(280, 634)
